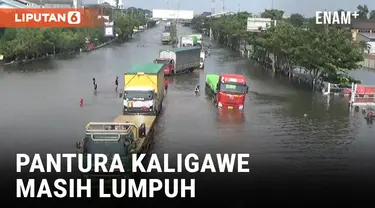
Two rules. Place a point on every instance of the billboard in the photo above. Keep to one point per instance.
(258, 24)
(108, 29)
(172, 14)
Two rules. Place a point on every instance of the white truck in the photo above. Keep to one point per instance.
(202, 59)
(185, 59)
(187, 41)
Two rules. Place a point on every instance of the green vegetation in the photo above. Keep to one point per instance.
(323, 51)
(27, 43)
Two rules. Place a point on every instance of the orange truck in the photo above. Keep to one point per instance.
(228, 91)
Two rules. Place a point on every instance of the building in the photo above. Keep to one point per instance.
(369, 39)
(358, 26)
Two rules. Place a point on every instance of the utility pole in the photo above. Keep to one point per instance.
(177, 16)
(239, 8)
(223, 6)
(212, 13)
(272, 5)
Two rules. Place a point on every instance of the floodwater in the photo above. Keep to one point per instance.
(40, 112)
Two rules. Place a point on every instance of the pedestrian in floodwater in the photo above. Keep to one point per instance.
(95, 84)
(166, 85)
(370, 114)
(197, 90)
(116, 83)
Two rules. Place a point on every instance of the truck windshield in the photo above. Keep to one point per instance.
(109, 148)
(233, 88)
(138, 95)
(161, 61)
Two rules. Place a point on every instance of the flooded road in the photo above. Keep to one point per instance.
(40, 112)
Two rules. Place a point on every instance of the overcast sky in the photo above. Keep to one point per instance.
(304, 7)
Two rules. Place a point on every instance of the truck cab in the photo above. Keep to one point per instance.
(232, 90)
(166, 37)
(110, 138)
(169, 65)
(140, 100)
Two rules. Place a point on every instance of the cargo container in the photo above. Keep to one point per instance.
(143, 89)
(184, 59)
(126, 135)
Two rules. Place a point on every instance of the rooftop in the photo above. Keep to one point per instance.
(361, 24)
(146, 68)
(368, 35)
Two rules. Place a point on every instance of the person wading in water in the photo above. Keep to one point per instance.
(165, 86)
(95, 84)
(116, 83)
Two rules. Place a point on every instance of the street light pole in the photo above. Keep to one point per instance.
(177, 16)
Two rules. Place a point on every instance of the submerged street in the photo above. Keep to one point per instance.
(40, 112)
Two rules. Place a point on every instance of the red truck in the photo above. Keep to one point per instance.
(169, 65)
(227, 90)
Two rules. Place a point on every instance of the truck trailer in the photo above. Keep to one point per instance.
(184, 59)
(197, 38)
(143, 89)
(125, 135)
(187, 41)
(228, 91)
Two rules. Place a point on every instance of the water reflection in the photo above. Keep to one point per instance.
(225, 116)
